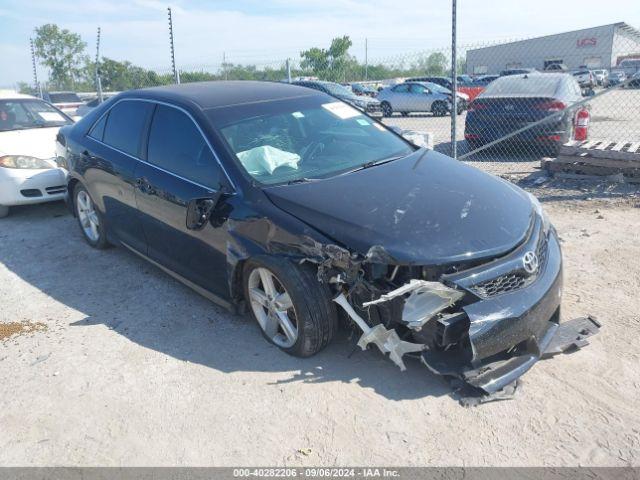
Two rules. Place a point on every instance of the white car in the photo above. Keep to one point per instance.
(28, 169)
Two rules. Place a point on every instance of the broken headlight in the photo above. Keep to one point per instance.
(546, 223)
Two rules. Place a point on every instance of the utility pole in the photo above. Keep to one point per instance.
(454, 74)
(366, 59)
(224, 65)
(98, 81)
(176, 74)
(288, 70)
(36, 84)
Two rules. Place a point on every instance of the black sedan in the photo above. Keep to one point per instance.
(283, 201)
(514, 102)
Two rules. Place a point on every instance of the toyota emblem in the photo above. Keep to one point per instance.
(530, 262)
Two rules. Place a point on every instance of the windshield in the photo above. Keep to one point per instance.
(64, 97)
(304, 138)
(337, 90)
(24, 114)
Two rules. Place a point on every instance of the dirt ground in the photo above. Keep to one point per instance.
(135, 369)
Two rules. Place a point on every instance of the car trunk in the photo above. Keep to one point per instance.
(503, 115)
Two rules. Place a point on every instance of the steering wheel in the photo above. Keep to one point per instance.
(315, 147)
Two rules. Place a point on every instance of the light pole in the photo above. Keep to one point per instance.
(176, 74)
(454, 81)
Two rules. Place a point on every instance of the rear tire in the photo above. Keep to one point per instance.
(307, 305)
(89, 218)
(387, 110)
(4, 211)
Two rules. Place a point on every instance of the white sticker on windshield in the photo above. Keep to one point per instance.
(362, 121)
(341, 110)
(51, 116)
(298, 114)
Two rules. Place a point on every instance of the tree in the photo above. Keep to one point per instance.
(24, 87)
(333, 64)
(62, 52)
(315, 59)
(436, 64)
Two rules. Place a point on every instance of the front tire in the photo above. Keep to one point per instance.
(387, 110)
(439, 109)
(89, 218)
(4, 211)
(293, 309)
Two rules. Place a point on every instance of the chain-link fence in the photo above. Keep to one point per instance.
(518, 99)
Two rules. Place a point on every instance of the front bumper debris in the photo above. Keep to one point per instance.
(481, 337)
(493, 377)
(387, 341)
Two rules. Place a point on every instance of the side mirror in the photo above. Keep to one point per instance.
(199, 210)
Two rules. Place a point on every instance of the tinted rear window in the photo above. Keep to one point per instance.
(176, 145)
(526, 85)
(64, 98)
(125, 125)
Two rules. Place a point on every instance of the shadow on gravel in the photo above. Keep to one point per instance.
(43, 246)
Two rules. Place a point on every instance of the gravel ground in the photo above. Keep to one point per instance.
(132, 368)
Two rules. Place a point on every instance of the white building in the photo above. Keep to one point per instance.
(598, 47)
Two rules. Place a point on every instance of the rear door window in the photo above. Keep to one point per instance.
(177, 146)
(97, 131)
(404, 88)
(125, 126)
(417, 88)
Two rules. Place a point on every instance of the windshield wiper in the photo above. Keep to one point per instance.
(375, 163)
(301, 180)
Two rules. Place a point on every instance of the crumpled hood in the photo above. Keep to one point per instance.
(423, 212)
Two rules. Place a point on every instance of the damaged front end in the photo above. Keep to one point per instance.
(484, 324)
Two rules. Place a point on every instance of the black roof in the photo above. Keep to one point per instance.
(216, 94)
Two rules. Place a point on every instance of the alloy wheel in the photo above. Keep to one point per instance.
(272, 307)
(88, 217)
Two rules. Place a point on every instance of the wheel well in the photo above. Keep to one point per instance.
(71, 186)
(235, 283)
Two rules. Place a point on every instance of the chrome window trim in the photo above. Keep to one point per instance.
(159, 102)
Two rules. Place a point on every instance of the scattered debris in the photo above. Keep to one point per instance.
(40, 359)
(19, 328)
(305, 451)
(470, 397)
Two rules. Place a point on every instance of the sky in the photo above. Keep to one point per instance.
(266, 32)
